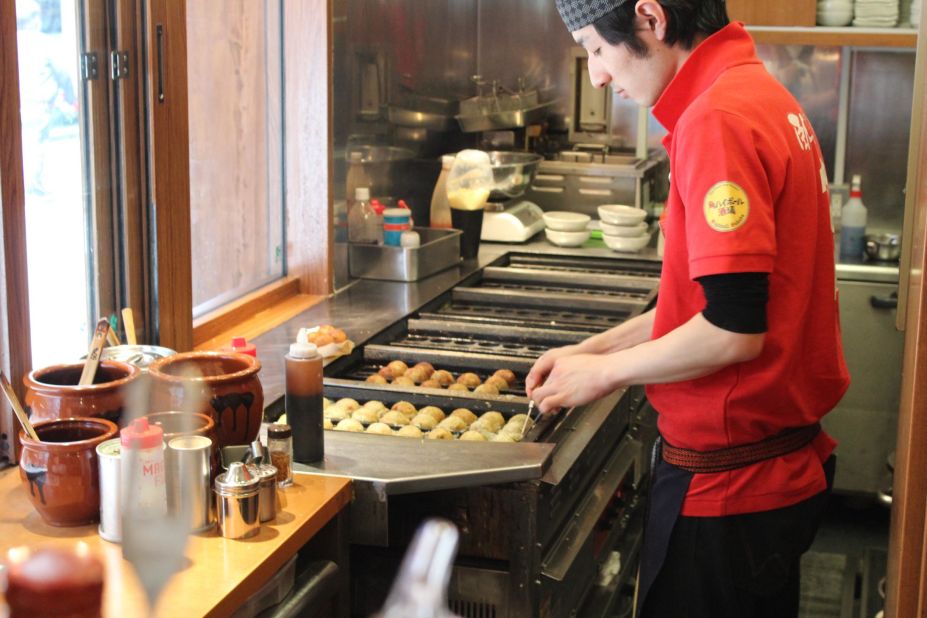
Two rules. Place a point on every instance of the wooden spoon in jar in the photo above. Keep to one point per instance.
(17, 408)
(93, 356)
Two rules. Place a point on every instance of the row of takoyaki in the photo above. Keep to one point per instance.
(424, 374)
(403, 419)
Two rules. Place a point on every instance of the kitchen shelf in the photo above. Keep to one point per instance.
(849, 36)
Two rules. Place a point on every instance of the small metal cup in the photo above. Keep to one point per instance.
(188, 481)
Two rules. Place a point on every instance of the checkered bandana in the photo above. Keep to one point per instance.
(578, 14)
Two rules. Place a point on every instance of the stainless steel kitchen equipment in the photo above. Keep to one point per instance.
(238, 502)
(108, 456)
(537, 518)
(883, 247)
(581, 181)
(501, 108)
(508, 217)
(439, 249)
(188, 470)
(267, 480)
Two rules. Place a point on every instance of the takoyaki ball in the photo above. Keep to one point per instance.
(470, 380)
(349, 424)
(374, 405)
(336, 413)
(472, 436)
(338, 335)
(326, 402)
(416, 374)
(405, 408)
(493, 420)
(327, 424)
(428, 368)
(348, 404)
(376, 378)
(439, 433)
(434, 412)
(409, 431)
(380, 428)
(394, 418)
(453, 423)
(519, 421)
(365, 416)
(442, 377)
(423, 421)
(496, 381)
(486, 389)
(403, 381)
(502, 437)
(398, 367)
(431, 384)
(506, 374)
(514, 432)
(320, 339)
(458, 387)
(465, 415)
(387, 372)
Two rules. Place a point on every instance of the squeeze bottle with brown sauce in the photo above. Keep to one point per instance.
(303, 401)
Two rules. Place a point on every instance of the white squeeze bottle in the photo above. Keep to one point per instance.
(440, 209)
(853, 223)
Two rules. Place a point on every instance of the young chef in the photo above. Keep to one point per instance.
(742, 355)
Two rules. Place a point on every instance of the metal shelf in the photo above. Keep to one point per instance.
(848, 36)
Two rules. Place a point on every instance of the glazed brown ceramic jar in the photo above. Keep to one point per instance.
(54, 581)
(53, 393)
(60, 473)
(222, 385)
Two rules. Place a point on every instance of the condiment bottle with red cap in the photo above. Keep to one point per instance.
(144, 486)
(241, 345)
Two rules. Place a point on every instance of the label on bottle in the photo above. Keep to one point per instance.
(852, 241)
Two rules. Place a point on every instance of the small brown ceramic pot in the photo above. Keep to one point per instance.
(60, 473)
(176, 424)
(222, 385)
(53, 393)
(44, 582)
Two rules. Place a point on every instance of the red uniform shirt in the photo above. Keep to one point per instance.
(748, 193)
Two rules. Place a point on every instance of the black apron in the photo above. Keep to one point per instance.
(668, 488)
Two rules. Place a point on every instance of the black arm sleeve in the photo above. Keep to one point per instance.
(736, 301)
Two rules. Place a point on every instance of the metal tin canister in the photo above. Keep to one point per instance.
(267, 477)
(237, 502)
(188, 470)
(109, 454)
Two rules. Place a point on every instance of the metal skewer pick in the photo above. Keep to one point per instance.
(527, 418)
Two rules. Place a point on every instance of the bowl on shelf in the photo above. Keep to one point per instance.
(563, 221)
(567, 239)
(834, 13)
(626, 244)
(619, 214)
(624, 230)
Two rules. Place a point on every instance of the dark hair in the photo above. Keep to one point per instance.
(685, 20)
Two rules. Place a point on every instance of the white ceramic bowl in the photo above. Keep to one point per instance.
(626, 244)
(566, 221)
(835, 17)
(624, 230)
(619, 214)
(567, 239)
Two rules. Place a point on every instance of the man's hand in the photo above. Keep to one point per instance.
(543, 365)
(573, 380)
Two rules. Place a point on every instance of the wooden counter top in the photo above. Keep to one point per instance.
(220, 573)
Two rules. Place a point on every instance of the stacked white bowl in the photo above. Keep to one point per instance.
(624, 228)
(835, 12)
(566, 229)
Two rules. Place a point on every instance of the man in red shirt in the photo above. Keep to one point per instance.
(742, 355)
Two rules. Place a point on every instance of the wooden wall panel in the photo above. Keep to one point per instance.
(308, 119)
(777, 13)
(236, 208)
(15, 344)
(169, 170)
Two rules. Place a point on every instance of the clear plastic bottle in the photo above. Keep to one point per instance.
(356, 177)
(362, 219)
(440, 208)
(303, 401)
(144, 487)
(853, 223)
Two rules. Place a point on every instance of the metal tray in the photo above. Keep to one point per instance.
(440, 249)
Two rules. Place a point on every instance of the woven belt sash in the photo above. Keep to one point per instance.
(732, 458)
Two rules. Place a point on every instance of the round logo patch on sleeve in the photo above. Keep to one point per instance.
(726, 207)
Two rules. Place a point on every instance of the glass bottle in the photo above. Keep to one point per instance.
(362, 219)
(280, 447)
(440, 208)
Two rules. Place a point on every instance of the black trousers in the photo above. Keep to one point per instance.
(740, 566)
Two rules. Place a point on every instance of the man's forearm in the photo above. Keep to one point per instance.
(627, 335)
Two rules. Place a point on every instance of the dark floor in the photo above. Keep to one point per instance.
(840, 574)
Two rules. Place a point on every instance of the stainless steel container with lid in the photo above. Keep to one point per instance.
(188, 481)
(883, 247)
(139, 355)
(237, 502)
(267, 475)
